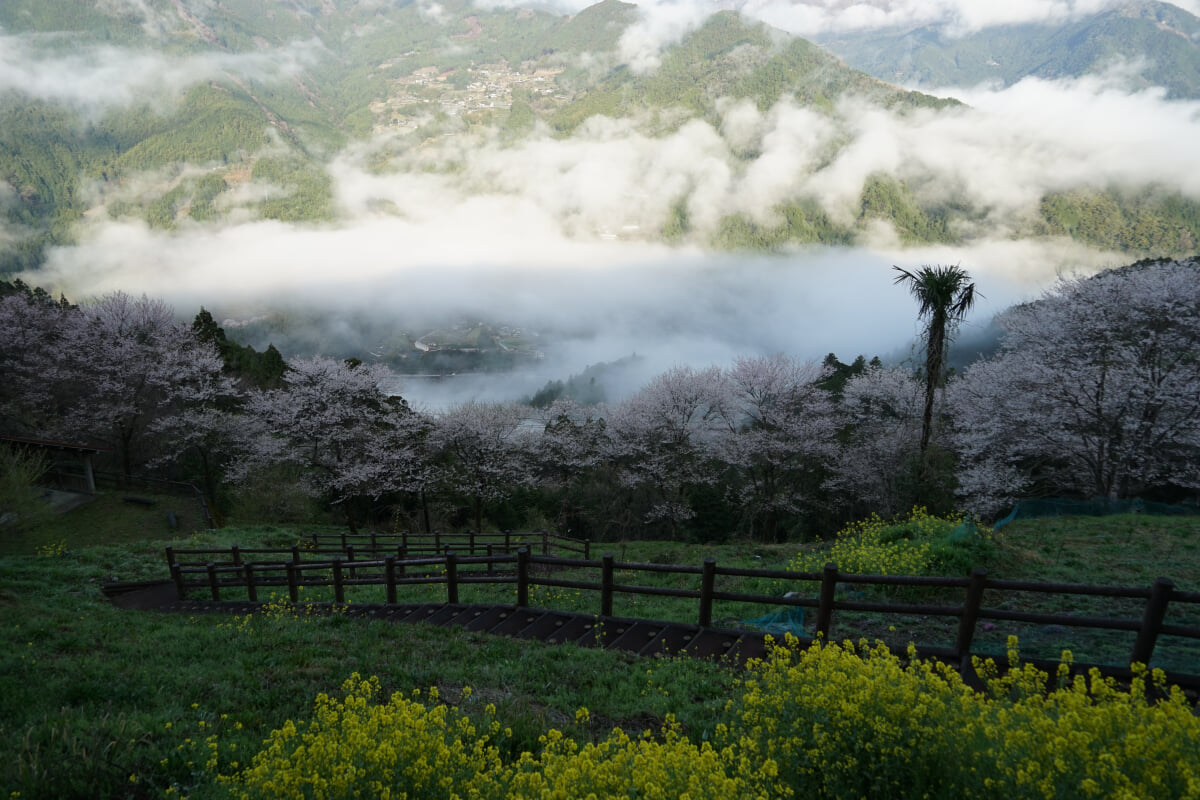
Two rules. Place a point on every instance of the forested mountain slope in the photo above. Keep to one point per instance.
(1160, 42)
(183, 113)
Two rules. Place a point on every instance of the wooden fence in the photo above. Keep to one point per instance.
(244, 571)
(427, 544)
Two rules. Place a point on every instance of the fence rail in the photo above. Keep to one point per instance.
(247, 570)
(435, 543)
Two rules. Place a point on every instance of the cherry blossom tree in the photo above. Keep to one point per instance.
(882, 409)
(328, 418)
(667, 436)
(1096, 390)
(572, 444)
(781, 435)
(32, 330)
(484, 448)
(124, 362)
(402, 458)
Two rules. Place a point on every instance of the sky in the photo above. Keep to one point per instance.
(550, 234)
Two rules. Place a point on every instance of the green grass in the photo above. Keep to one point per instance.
(91, 695)
(108, 518)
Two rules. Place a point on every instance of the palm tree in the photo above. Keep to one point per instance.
(945, 295)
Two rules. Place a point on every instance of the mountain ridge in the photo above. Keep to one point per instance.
(1165, 36)
(280, 89)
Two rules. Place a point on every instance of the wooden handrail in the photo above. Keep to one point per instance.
(453, 570)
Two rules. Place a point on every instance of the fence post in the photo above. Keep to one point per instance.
(339, 589)
(401, 554)
(491, 566)
(180, 586)
(471, 543)
(970, 616)
(545, 543)
(343, 542)
(236, 552)
(451, 577)
(523, 577)
(404, 540)
(1156, 609)
(587, 549)
(829, 579)
(212, 580)
(251, 589)
(507, 541)
(293, 582)
(437, 543)
(374, 547)
(350, 558)
(296, 553)
(390, 578)
(170, 558)
(606, 585)
(708, 578)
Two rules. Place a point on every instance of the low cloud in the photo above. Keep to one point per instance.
(956, 17)
(562, 234)
(659, 25)
(590, 301)
(1000, 154)
(95, 79)
(665, 22)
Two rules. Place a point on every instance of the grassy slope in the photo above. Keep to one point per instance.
(90, 694)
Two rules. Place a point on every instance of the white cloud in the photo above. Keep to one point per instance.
(94, 79)
(467, 199)
(659, 25)
(957, 17)
(467, 224)
(591, 301)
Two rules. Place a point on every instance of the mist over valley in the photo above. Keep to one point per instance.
(666, 180)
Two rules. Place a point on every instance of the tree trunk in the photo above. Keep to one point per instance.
(933, 373)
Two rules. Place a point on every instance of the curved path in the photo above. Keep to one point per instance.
(638, 636)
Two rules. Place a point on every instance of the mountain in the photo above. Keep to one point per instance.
(1161, 41)
(178, 114)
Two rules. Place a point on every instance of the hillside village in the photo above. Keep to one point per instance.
(471, 93)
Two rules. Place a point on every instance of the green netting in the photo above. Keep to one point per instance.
(785, 620)
(965, 532)
(1096, 507)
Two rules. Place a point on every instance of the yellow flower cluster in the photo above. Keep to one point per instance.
(359, 746)
(557, 597)
(875, 546)
(847, 721)
(362, 746)
(830, 721)
(53, 549)
(669, 768)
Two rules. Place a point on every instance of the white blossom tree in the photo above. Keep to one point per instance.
(667, 436)
(882, 409)
(571, 445)
(484, 452)
(781, 435)
(329, 419)
(1096, 390)
(402, 458)
(124, 362)
(32, 330)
